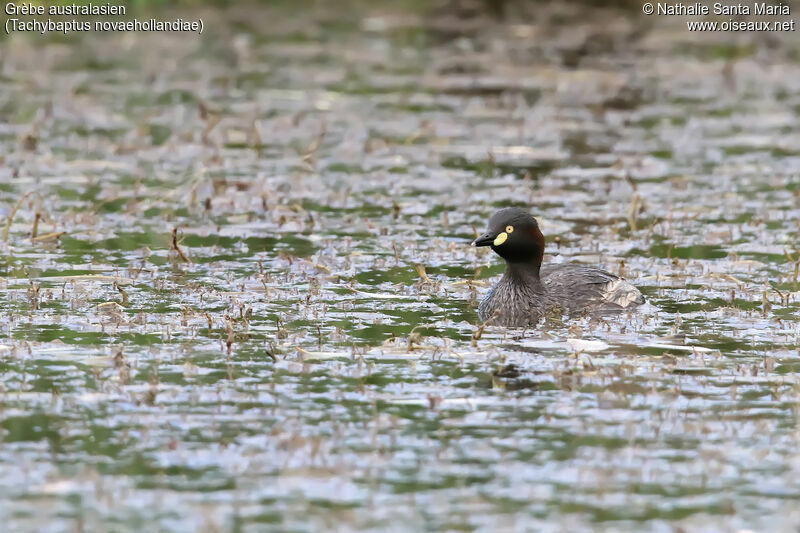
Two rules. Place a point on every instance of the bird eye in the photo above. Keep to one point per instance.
(509, 229)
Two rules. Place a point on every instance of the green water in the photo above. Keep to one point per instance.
(288, 368)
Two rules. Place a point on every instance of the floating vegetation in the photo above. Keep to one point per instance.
(237, 291)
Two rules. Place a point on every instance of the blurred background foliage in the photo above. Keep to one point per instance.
(495, 7)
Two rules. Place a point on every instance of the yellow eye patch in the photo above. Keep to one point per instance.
(502, 237)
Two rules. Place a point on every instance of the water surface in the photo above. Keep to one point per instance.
(305, 353)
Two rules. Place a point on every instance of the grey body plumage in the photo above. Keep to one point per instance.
(520, 299)
(527, 291)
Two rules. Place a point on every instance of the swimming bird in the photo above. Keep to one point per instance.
(528, 291)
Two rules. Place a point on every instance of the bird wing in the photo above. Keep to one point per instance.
(580, 287)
